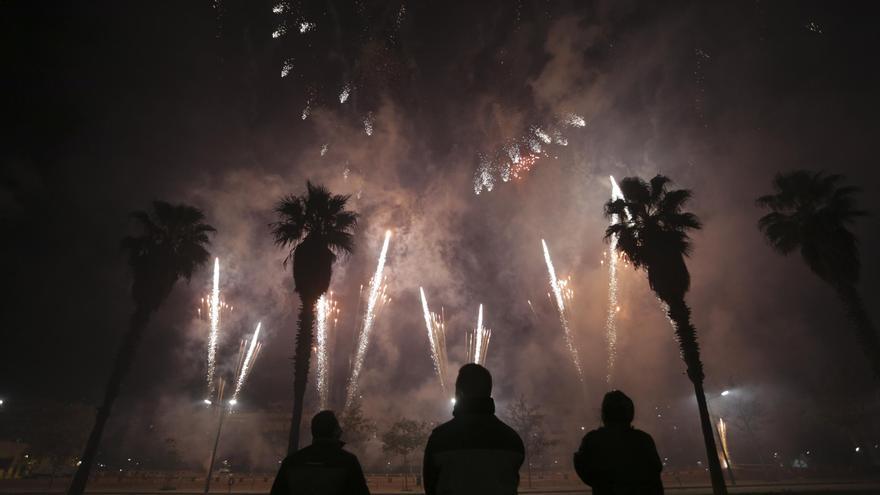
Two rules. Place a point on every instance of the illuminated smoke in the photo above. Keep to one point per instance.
(324, 148)
(214, 315)
(436, 328)
(376, 296)
(327, 312)
(247, 364)
(478, 341)
(560, 306)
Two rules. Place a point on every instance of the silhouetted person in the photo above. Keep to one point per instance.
(618, 459)
(474, 452)
(322, 468)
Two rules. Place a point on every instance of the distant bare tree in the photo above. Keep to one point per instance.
(405, 436)
(528, 421)
(357, 429)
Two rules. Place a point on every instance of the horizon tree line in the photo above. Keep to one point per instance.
(810, 212)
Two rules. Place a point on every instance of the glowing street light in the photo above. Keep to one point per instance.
(725, 393)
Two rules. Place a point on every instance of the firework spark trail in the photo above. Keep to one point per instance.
(560, 306)
(722, 435)
(247, 364)
(214, 315)
(322, 308)
(376, 290)
(437, 338)
(611, 318)
(515, 159)
(478, 341)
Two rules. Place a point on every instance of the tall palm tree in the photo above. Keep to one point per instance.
(810, 212)
(652, 232)
(171, 246)
(316, 228)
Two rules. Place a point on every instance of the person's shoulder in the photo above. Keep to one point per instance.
(443, 427)
(642, 436)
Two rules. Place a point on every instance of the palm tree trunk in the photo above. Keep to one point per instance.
(124, 357)
(865, 331)
(686, 334)
(302, 356)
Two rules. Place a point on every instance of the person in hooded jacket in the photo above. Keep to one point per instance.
(322, 468)
(618, 459)
(475, 452)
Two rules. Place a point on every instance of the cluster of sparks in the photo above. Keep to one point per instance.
(250, 351)
(327, 315)
(478, 341)
(518, 157)
(436, 327)
(375, 299)
(559, 299)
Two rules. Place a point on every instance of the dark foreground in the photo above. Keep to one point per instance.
(828, 487)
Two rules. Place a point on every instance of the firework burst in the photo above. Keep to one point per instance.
(516, 158)
(437, 338)
(376, 300)
(559, 299)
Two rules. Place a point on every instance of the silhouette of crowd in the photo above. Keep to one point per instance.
(477, 453)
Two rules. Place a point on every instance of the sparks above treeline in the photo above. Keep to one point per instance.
(375, 291)
(516, 158)
(560, 307)
(436, 327)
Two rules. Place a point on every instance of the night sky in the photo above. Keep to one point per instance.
(110, 105)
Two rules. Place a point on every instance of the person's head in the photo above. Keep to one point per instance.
(617, 409)
(325, 426)
(473, 382)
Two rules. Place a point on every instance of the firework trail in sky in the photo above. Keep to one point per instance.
(214, 315)
(613, 308)
(437, 338)
(478, 341)
(722, 435)
(515, 159)
(247, 364)
(559, 299)
(376, 291)
(326, 310)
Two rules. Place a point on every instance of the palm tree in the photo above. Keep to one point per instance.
(171, 246)
(652, 232)
(316, 228)
(810, 212)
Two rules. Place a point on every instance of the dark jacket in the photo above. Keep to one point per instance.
(322, 468)
(619, 460)
(473, 453)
